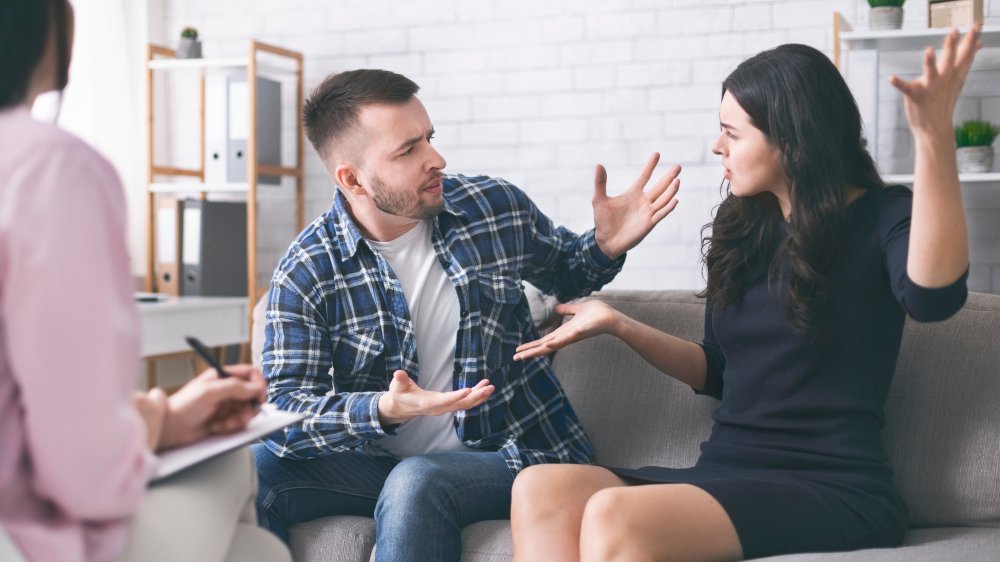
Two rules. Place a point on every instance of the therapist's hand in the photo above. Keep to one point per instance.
(209, 405)
(152, 408)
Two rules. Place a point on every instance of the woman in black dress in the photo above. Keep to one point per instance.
(813, 264)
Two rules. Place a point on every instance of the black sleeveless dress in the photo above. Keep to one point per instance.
(795, 455)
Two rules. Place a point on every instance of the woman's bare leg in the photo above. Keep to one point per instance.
(547, 509)
(657, 522)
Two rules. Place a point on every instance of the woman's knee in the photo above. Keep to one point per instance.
(539, 489)
(605, 527)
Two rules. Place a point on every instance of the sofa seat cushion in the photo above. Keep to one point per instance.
(339, 537)
(968, 544)
(352, 539)
(487, 541)
(346, 538)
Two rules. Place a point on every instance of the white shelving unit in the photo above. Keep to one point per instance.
(857, 54)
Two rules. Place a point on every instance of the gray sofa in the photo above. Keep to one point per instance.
(942, 432)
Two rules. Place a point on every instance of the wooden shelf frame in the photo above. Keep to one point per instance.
(159, 58)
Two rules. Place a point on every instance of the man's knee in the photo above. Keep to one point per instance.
(266, 463)
(416, 483)
(268, 471)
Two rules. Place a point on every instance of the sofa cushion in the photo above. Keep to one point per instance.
(942, 413)
(339, 537)
(487, 541)
(968, 544)
(942, 430)
(352, 538)
(634, 414)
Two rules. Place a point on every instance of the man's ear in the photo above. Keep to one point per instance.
(346, 177)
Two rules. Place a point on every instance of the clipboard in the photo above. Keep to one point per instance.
(268, 420)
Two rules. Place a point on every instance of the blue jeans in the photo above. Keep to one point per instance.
(420, 504)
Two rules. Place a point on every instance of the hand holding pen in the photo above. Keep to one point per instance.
(203, 352)
(216, 401)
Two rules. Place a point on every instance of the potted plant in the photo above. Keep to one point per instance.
(975, 146)
(885, 14)
(189, 46)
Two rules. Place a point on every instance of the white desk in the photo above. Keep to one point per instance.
(216, 321)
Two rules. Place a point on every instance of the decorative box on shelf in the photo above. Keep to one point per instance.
(954, 13)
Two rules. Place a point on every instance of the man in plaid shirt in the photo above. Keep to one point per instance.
(393, 321)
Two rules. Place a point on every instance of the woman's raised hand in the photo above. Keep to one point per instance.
(590, 318)
(930, 99)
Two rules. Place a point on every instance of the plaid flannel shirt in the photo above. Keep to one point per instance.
(338, 326)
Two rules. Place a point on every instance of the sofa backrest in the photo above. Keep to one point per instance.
(942, 429)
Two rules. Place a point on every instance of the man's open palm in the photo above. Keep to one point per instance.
(406, 399)
(622, 221)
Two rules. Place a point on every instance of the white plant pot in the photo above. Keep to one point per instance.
(886, 17)
(975, 159)
(189, 49)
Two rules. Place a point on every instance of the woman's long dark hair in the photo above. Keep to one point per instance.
(797, 98)
(25, 27)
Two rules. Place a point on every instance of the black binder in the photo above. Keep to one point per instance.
(213, 248)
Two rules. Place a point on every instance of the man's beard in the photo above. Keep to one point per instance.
(401, 202)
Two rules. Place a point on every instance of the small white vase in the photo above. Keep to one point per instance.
(975, 159)
(885, 17)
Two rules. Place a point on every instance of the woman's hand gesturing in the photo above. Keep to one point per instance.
(590, 318)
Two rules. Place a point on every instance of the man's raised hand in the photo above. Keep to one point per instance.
(622, 221)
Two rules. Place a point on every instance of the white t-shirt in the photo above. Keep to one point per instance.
(434, 311)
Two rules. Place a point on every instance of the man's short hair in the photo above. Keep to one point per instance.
(332, 108)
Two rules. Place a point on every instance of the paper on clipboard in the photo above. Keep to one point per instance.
(265, 422)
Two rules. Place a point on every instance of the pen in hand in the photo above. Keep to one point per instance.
(205, 354)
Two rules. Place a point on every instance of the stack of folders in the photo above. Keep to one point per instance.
(201, 247)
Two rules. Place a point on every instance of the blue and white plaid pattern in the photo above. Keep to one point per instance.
(338, 326)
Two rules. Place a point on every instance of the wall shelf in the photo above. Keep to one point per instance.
(964, 178)
(234, 64)
(910, 39)
(198, 187)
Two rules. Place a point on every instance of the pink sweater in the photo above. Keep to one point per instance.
(73, 458)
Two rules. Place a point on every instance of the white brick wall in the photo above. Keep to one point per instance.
(540, 91)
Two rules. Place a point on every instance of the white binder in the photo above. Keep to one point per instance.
(227, 127)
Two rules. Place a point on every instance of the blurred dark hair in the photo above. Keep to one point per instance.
(333, 107)
(798, 99)
(25, 27)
